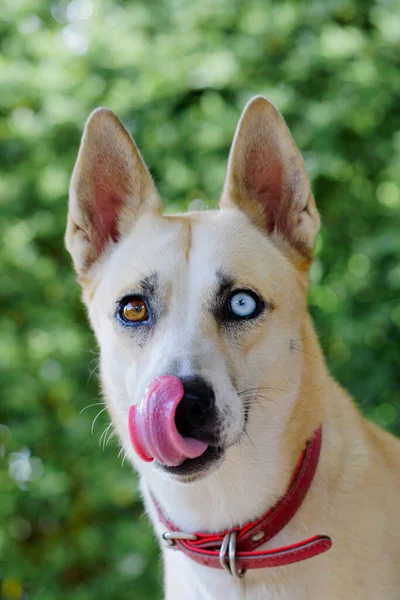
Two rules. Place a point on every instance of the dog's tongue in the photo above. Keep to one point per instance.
(152, 425)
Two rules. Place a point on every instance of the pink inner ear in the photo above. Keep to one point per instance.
(264, 180)
(108, 203)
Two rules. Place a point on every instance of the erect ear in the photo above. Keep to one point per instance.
(266, 179)
(110, 185)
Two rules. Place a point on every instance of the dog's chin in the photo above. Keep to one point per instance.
(196, 468)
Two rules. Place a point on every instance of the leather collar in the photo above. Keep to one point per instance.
(235, 549)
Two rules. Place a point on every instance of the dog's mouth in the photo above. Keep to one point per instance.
(169, 427)
(195, 468)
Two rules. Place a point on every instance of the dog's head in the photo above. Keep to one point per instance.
(216, 298)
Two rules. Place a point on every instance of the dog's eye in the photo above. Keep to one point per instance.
(134, 310)
(243, 305)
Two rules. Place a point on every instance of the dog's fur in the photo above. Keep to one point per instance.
(262, 238)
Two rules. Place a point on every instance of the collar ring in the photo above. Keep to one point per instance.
(229, 543)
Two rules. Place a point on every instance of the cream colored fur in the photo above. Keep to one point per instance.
(355, 496)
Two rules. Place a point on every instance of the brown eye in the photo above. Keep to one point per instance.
(134, 310)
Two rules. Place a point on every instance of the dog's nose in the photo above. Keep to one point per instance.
(195, 414)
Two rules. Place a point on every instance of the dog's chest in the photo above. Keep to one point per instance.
(247, 591)
(233, 591)
(188, 581)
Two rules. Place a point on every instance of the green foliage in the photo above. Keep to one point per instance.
(177, 73)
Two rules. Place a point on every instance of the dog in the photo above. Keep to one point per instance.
(260, 476)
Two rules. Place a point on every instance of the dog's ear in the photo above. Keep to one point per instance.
(266, 179)
(110, 185)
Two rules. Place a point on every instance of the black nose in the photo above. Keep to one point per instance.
(195, 414)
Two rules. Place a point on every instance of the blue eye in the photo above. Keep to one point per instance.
(243, 305)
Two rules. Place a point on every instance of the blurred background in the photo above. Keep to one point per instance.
(178, 74)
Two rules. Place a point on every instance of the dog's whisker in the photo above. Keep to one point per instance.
(124, 458)
(90, 406)
(277, 403)
(96, 417)
(304, 352)
(248, 402)
(104, 434)
(307, 337)
(274, 389)
(138, 271)
(264, 387)
(131, 266)
(91, 351)
(251, 441)
(111, 435)
(152, 272)
(92, 372)
(272, 400)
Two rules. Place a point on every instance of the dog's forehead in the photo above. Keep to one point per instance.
(203, 244)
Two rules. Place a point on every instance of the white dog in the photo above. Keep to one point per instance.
(260, 476)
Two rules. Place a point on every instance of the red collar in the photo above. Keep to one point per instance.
(235, 550)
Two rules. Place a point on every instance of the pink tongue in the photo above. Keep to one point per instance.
(152, 425)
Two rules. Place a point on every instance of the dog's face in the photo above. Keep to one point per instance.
(215, 298)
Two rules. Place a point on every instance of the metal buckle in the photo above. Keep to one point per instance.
(170, 537)
(229, 543)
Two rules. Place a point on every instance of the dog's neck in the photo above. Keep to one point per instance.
(248, 484)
